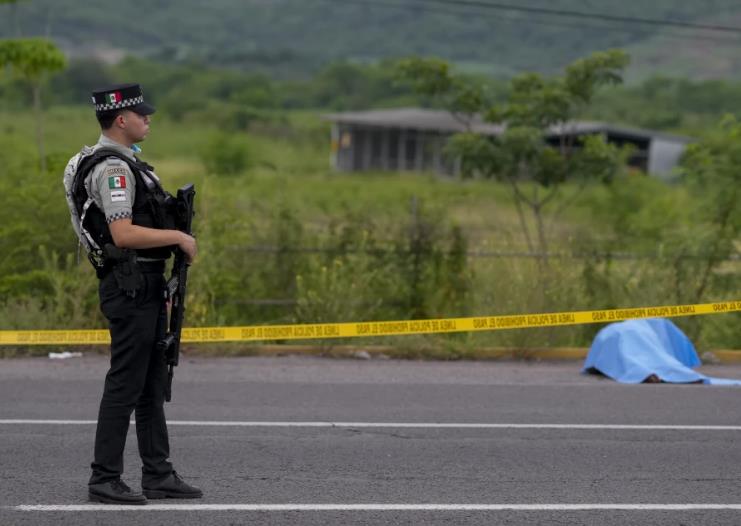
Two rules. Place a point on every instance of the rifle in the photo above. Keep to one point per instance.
(175, 289)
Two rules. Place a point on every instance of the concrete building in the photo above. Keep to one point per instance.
(414, 139)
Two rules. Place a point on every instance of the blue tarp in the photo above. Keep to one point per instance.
(633, 350)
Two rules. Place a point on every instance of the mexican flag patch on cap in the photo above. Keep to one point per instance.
(117, 181)
(114, 98)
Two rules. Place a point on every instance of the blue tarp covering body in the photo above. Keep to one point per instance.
(632, 350)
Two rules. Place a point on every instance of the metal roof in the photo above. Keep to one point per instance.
(416, 118)
(445, 121)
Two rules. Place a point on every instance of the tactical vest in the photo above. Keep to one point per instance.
(152, 207)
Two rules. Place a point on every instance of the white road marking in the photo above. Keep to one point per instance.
(378, 507)
(412, 425)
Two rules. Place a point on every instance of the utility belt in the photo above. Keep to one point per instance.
(128, 271)
(151, 267)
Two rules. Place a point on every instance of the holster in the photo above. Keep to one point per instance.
(122, 262)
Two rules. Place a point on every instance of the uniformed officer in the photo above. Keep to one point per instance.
(136, 314)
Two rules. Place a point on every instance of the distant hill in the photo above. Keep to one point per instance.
(712, 58)
(294, 37)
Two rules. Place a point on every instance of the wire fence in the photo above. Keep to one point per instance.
(627, 256)
(657, 256)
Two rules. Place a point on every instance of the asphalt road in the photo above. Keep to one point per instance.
(276, 445)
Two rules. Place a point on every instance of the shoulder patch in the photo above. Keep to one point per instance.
(116, 182)
(117, 170)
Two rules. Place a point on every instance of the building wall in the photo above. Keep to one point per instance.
(357, 148)
(664, 156)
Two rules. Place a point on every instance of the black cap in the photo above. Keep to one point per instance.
(121, 97)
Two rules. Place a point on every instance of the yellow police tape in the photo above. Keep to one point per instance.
(379, 328)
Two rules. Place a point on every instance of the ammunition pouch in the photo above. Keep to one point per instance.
(122, 262)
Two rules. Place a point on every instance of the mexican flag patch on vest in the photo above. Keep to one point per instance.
(117, 181)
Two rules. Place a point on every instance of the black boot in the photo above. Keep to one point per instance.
(174, 487)
(114, 492)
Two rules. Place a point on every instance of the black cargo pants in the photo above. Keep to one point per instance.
(136, 379)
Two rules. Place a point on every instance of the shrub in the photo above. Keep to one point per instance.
(225, 154)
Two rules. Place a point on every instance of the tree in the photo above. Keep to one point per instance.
(534, 168)
(711, 171)
(32, 59)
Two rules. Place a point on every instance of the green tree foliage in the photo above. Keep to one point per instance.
(432, 261)
(523, 156)
(418, 270)
(673, 104)
(32, 59)
(711, 169)
(463, 96)
(25, 219)
(74, 84)
(234, 98)
(344, 85)
(225, 154)
(687, 233)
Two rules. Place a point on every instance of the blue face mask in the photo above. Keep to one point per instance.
(136, 148)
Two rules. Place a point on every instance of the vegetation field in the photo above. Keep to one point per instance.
(285, 239)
